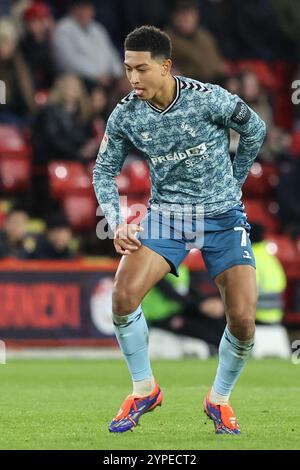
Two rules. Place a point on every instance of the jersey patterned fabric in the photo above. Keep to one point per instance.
(186, 146)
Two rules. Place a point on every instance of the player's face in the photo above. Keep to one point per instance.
(145, 74)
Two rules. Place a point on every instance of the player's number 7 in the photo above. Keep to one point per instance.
(244, 235)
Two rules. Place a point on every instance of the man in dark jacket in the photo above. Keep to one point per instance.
(13, 235)
(55, 243)
(38, 25)
(195, 51)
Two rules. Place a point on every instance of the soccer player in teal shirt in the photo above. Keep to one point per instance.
(182, 127)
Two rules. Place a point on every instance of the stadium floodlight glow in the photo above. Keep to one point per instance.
(272, 248)
(61, 172)
(256, 170)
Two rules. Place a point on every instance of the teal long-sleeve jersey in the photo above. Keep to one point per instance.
(186, 146)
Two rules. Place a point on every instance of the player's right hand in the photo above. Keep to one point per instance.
(125, 240)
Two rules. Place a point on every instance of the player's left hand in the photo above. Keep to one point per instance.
(125, 240)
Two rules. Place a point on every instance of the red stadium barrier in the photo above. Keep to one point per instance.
(51, 303)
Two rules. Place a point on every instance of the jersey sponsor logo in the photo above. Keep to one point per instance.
(104, 143)
(198, 151)
(241, 113)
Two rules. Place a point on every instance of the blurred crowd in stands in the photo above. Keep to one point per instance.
(61, 62)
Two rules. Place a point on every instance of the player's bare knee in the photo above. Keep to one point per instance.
(124, 301)
(241, 322)
(242, 326)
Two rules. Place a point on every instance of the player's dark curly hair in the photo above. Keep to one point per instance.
(151, 39)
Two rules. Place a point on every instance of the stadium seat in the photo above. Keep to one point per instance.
(12, 143)
(68, 177)
(122, 179)
(15, 173)
(138, 174)
(80, 210)
(263, 70)
(261, 181)
(295, 145)
(263, 212)
(133, 179)
(123, 182)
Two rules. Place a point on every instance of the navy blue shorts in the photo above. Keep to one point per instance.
(223, 240)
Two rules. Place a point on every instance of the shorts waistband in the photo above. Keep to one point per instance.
(177, 209)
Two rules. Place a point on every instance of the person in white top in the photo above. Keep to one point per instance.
(83, 46)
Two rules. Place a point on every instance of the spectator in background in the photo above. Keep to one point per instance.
(247, 86)
(82, 46)
(255, 96)
(55, 243)
(134, 13)
(258, 31)
(270, 278)
(18, 6)
(99, 113)
(195, 53)
(276, 148)
(288, 16)
(35, 45)
(219, 17)
(61, 130)
(15, 74)
(13, 235)
(172, 306)
(288, 196)
(15, 9)
(121, 89)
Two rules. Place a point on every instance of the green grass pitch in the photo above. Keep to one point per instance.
(67, 404)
